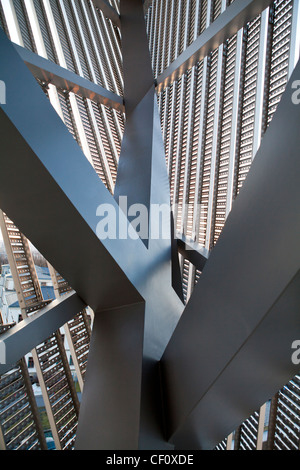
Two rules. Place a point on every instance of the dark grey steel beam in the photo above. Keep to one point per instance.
(142, 178)
(231, 350)
(191, 251)
(49, 72)
(26, 335)
(237, 15)
(51, 192)
(142, 174)
(111, 400)
(108, 11)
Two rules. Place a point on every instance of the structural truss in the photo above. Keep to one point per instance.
(181, 339)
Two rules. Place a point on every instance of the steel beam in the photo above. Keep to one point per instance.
(28, 333)
(237, 15)
(49, 72)
(231, 350)
(48, 157)
(111, 400)
(142, 178)
(192, 251)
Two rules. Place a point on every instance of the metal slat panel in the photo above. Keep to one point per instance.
(279, 57)
(24, 25)
(45, 30)
(207, 150)
(248, 105)
(225, 140)
(63, 36)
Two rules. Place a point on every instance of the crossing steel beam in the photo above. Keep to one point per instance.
(237, 15)
(25, 335)
(49, 72)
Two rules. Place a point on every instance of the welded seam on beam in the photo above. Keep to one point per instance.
(49, 72)
(237, 15)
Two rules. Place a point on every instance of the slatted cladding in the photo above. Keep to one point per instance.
(77, 40)
(279, 55)
(107, 40)
(174, 27)
(53, 362)
(16, 415)
(103, 124)
(216, 9)
(193, 175)
(207, 148)
(63, 36)
(80, 332)
(202, 22)
(225, 139)
(68, 116)
(249, 103)
(158, 38)
(174, 134)
(114, 40)
(86, 39)
(45, 31)
(24, 25)
(287, 428)
(91, 138)
(3, 23)
(192, 29)
(109, 54)
(249, 432)
(183, 146)
(222, 445)
(184, 27)
(185, 278)
(165, 17)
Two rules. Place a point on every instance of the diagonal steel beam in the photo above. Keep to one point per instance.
(47, 169)
(232, 345)
(237, 15)
(27, 334)
(49, 72)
